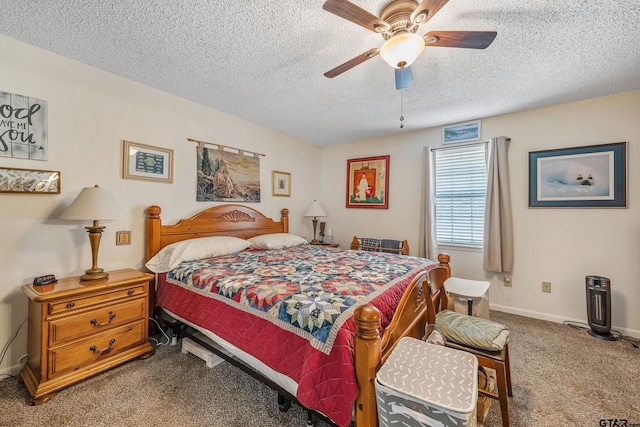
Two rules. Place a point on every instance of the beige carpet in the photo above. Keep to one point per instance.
(561, 377)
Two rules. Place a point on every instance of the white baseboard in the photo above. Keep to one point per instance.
(557, 319)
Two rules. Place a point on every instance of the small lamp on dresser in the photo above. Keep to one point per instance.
(315, 210)
(94, 204)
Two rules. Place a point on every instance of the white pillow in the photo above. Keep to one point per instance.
(187, 250)
(276, 241)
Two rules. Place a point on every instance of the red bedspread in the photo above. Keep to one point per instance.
(293, 314)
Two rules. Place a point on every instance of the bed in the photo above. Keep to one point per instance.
(327, 366)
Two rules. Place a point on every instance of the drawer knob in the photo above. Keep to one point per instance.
(71, 305)
(94, 349)
(95, 323)
(131, 291)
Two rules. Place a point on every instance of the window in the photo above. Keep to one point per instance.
(460, 192)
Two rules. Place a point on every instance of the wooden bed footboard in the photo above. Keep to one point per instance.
(371, 350)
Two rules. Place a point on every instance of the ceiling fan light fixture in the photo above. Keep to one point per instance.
(402, 49)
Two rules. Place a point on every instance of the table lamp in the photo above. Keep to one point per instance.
(94, 204)
(315, 210)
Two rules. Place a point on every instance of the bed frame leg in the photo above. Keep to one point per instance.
(311, 419)
(283, 403)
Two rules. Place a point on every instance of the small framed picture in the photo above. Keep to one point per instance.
(29, 181)
(579, 177)
(280, 183)
(368, 182)
(145, 162)
(463, 132)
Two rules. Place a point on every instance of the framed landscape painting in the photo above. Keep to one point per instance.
(226, 174)
(368, 182)
(578, 177)
(463, 132)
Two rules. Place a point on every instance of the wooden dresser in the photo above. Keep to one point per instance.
(80, 328)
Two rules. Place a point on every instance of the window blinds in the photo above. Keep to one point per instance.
(460, 191)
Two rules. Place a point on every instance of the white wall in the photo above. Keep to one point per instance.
(90, 113)
(557, 245)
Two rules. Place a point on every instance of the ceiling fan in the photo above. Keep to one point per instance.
(398, 23)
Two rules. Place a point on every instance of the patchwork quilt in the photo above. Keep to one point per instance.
(293, 309)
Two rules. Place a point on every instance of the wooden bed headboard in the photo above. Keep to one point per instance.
(223, 220)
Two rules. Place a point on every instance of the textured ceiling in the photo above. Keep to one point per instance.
(263, 60)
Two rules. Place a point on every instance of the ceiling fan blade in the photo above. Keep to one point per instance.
(426, 10)
(465, 39)
(403, 77)
(352, 63)
(356, 14)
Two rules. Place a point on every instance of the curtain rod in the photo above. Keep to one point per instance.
(462, 145)
(222, 147)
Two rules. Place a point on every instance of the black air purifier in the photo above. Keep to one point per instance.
(599, 307)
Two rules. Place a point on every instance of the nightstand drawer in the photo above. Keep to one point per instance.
(96, 349)
(73, 304)
(95, 321)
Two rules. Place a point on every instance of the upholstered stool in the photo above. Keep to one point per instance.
(488, 341)
(469, 296)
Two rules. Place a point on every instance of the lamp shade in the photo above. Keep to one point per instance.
(94, 203)
(402, 49)
(315, 209)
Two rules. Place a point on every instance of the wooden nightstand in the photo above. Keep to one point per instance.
(78, 329)
(329, 245)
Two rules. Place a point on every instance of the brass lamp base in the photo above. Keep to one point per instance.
(95, 272)
(94, 275)
(314, 241)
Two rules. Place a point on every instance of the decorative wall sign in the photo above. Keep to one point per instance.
(591, 176)
(227, 174)
(145, 162)
(368, 182)
(463, 132)
(280, 183)
(23, 127)
(29, 181)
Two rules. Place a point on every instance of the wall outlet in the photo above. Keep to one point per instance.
(508, 281)
(123, 238)
(546, 287)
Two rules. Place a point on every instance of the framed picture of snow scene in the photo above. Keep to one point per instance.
(579, 177)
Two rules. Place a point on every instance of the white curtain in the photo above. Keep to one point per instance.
(427, 247)
(498, 220)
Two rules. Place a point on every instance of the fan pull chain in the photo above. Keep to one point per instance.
(401, 98)
(401, 114)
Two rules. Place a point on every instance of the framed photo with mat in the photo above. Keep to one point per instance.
(368, 182)
(593, 176)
